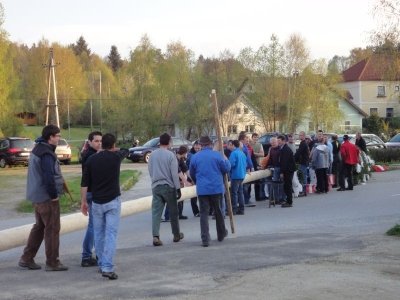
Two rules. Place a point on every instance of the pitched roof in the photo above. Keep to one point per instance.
(348, 98)
(373, 68)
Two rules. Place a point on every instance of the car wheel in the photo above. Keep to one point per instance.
(147, 157)
(2, 163)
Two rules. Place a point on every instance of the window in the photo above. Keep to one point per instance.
(389, 112)
(249, 128)
(373, 111)
(381, 91)
(238, 110)
(245, 110)
(347, 125)
(397, 88)
(232, 129)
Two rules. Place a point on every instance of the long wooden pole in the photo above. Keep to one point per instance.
(221, 148)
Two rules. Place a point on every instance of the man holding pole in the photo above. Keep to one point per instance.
(207, 168)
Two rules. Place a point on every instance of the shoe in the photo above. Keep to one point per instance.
(164, 220)
(197, 215)
(240, 213)
(225, 235)
(286, 205)
(250, 204)
(349, 189)
(205, 244)
(183, 218)
(110, 275)
(341, 189)
(29, 265)
(179, 237)
(334, 186)
(59, 267)
(89, 262)
(157, 241)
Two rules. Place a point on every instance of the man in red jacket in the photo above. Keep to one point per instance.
(350, 158)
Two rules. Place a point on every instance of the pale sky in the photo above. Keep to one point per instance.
(330, 27)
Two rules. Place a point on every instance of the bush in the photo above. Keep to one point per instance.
(394, 230)
(387, 155)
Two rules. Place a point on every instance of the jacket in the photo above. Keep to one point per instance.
(44, 181)
(207, 168)
(349, 153)
(238, 163)
(320, 157)
(302, 155)
(286, 160)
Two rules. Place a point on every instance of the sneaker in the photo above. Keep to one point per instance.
(110, 275)
(286, 205)
(29, 265)
(59, 267)
(341, 189)
(164, 220)
(250, 204)
(183, 218)
(240, 212)
(205, 244)
(179, 237)
(157, 241)
(89, 262)
(197, 215)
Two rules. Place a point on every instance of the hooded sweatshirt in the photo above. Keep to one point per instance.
(320, 157)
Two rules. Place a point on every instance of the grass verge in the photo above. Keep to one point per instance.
(394, 231)
(127, 179)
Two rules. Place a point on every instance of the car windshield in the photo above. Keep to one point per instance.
(395, 139)
(21, 143)
(152, 143)
(62, 142)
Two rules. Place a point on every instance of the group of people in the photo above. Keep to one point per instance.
(100, 199)
(169, 172)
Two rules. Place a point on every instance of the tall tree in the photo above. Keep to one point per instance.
(81, 46)
(114, 59)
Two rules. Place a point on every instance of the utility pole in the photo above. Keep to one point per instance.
(101, 110)
(51, 82)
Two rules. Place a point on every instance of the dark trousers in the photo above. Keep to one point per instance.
(347, 171)
(195, 208)
(164, 194)
(287, 186)
(207, 201)
(47, 227)
(322, 180)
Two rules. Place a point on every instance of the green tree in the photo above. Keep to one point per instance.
(114, 59)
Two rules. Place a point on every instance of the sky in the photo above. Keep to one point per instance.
(207, 27)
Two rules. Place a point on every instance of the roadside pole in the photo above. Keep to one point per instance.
(221, 148)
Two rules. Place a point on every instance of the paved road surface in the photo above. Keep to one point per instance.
(325, 247)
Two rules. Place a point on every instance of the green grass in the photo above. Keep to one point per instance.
(394, 231)
(127, 178)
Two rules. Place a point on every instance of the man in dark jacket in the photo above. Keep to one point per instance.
(288, 166)
(44, 187)
(302, 156)
(94, 141)
(360, 142)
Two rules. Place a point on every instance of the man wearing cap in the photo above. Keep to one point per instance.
(350, 157)
(207, 168)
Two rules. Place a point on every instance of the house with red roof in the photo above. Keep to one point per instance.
(373, 85)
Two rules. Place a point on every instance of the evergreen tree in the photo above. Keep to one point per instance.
(114, 59)
(81, 47)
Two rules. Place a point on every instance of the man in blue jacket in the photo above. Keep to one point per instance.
(238, 163)
(207, 168)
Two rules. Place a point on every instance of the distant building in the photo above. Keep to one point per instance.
(27, 118)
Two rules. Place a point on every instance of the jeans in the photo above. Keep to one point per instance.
(88, 241)
(164, 194)
(276, 173)
(205, 202)
(303, 169)
(237, 195)
(247, 192)
(106, 219)
(47, 227)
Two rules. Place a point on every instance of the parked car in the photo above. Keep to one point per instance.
(371, 140)
(63, 152)
(142, 153)
(264, 141)
(394, 142)
(15, 151)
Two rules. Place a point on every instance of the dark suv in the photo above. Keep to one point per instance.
(143, 152)
(15, 151)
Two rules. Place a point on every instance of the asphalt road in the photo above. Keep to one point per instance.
(325, 247)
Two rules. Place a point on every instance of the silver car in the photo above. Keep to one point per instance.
(394, 142)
